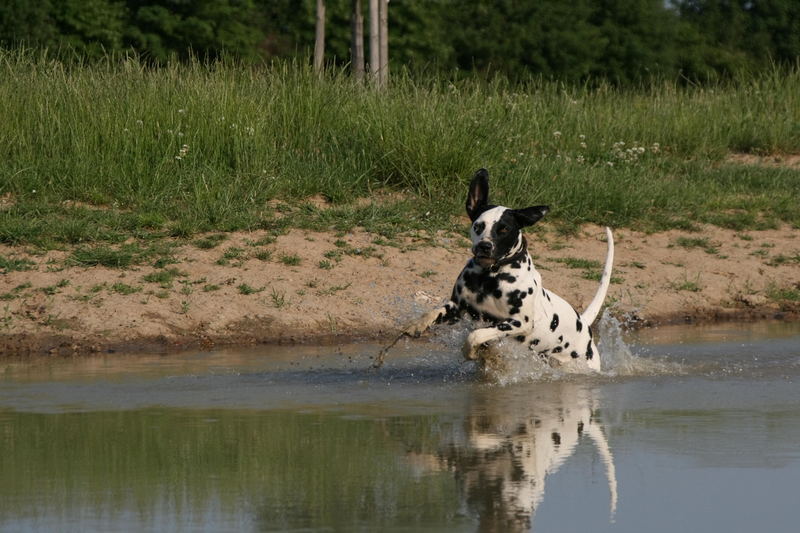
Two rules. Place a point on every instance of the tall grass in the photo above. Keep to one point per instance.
(205, 146)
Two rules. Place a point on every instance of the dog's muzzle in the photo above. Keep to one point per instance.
(483, 254)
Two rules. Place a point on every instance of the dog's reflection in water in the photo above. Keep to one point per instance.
(510, 443)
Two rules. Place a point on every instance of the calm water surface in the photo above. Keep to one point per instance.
(698, 429)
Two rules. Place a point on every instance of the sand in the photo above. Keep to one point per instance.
(369, 290)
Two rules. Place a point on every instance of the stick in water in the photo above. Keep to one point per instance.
(382, 354)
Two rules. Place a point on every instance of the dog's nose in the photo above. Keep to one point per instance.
(483, 248)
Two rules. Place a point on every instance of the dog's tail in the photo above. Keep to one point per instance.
(592, 311)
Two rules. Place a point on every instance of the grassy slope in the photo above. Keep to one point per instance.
(199, 148)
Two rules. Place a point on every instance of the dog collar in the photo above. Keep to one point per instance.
(519, 256)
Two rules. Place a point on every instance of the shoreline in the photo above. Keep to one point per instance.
(309, 287)
(55, 345)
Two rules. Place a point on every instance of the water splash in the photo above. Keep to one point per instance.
(509, 362)
(618, 358)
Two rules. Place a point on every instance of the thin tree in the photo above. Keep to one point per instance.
(384, 54)
(357, 45)
(374, 41)
(319, 39)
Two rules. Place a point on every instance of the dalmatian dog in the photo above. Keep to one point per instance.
(501, 286)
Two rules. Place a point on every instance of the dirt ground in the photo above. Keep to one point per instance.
(321, 287)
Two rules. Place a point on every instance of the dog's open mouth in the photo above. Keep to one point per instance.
(484, 260)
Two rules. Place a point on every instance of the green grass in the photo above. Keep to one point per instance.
(290, 259)
(574, 262)
(124, 289)
(782, 259)
(164, 277)
(698, 242)
(16, 291)
(189, 149)
(783, 294)
(104, 255)
(263, 255)
(11, 264)
(246, 289)
(278, 298)
(686, 284)
(211, 241)
(54, 289)
(232, 254)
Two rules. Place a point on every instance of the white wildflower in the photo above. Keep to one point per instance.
(182, 152)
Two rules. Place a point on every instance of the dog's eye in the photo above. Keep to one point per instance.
(502, 231)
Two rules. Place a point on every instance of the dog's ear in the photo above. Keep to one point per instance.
(529, 215)
(478, 197)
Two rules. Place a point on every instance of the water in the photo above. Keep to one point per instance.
(686, 429)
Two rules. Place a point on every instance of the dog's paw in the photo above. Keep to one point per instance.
(418, 327)
(470, 351)
(475, 344)
(414, 330)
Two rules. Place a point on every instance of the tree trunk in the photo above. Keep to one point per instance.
(384, 60)
(374, 41)
(357, 46)
(319, 40)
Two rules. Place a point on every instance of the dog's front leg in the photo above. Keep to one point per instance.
(449, 311)
(481, 336)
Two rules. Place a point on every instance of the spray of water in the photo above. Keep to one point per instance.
(511, 362)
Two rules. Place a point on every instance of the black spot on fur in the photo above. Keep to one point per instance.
(530, 289)
(504, 326)
(520, 338)
(554, 323)
(482, 284)
(526, 319)
(574, 354)
(589, 351)
(534, 342)
(515, 298)
(450, 315)
(580, 428)
(505, 276)
(516, 265)
(556, 438)
(489, 318)
(558, 349)
(560, 338)
(566, 345)
(516, 323)
(579, 325)
(590, 331)
(498, 294)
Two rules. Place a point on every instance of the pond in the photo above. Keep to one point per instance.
(688, 429)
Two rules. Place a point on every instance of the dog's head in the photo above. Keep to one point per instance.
(496, 230)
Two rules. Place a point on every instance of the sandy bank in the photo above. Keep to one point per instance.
(321, 287)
